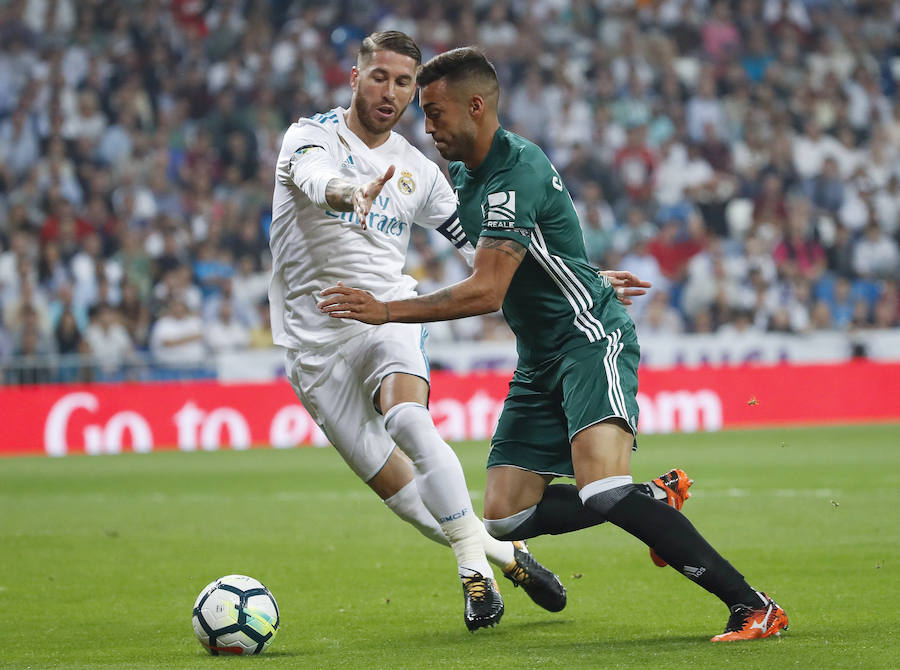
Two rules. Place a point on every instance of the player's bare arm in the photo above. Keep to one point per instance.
(496, 261)
(627, 284)
(344, 196)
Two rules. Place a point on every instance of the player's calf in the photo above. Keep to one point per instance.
(672, 488)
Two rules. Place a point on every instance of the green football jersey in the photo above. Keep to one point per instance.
(556, 301)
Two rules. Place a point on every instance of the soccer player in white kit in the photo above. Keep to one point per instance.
(367, 386)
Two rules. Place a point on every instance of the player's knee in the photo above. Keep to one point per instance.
(406, 419)
(604, 494)
(410, 426)
(510, 527)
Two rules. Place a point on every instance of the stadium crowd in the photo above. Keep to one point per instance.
(743, 156)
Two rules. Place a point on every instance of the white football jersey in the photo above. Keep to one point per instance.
(314, 248)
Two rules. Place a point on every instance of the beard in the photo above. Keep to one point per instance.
(368, 120)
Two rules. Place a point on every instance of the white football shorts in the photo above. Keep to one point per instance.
(337, 386)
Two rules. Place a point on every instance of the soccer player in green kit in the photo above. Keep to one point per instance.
(571, 409)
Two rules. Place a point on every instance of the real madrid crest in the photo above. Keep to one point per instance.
(406, 183)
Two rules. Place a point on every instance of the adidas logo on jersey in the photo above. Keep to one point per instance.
(348, 162)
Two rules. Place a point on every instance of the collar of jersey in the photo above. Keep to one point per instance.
(354, 139)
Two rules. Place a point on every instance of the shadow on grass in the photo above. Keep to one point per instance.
(508, 633)
(274, 653)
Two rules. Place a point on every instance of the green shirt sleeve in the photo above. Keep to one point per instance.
(511, 203)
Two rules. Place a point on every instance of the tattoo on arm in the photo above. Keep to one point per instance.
(504, 245)
(441, 296)
(339, 195)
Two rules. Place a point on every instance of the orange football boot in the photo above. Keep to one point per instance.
(747, 623)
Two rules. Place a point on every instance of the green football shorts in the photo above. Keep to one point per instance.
(548, 404)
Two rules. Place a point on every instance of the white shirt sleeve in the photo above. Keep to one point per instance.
(307, 160)
(438, 212)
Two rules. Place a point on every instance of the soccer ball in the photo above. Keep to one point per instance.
(235, 615)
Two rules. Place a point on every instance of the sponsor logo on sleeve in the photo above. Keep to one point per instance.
(500, 213)
(306, 148)
(501, 207)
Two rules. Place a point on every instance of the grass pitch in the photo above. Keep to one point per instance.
(103, 556)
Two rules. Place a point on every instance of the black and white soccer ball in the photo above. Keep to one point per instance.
(235, 615)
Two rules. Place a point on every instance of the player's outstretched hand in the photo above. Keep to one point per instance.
(343, 302)
(627, 285)
(365, 195)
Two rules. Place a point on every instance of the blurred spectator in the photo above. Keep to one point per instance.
(27, 301)
(739, 325)
(840, 253)
(704, 108)
(721, 40)
(820, 317)
(134, 262)
(644, 264)
(636, 164)
(19, 144)
(209, 271)
(887, 206)
(860, 318)
(710, 286)
(135, 315)
(597, 220)
(714, 150)
(811, 148)
(52, 272)
(876, 255)
(30, 338)
(68, 335)
(87, 121)
(32, 366)
(64, 301)
(660, 318)
(840, 301)
(224, 333)
(798, 254)
(249, 286)
(770, 207)
(176, 339)
(675, 245)
(637, 229)
(750, 154)
(261, 333)
(827, 188)
(887, 310)
(241, 310)
(108, 342)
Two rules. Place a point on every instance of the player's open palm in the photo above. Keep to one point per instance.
(365, 195)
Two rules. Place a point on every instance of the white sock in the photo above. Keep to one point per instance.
(499, 553)
(465, 539)
(440, 482)
(407, 504)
